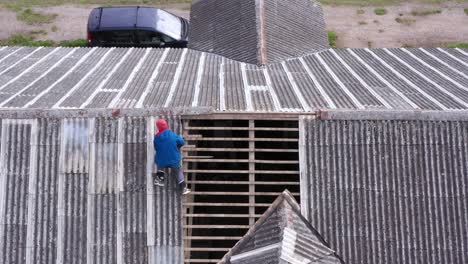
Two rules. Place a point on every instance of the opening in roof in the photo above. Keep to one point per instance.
(236, 169)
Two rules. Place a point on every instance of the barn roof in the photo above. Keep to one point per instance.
(282, 235)
(258, 31)
(78, 78)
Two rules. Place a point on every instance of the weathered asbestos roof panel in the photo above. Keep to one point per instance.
(258, 31)
(400, 79)
(15, 163)
(227, 28)
(77, 190)
(387, 191)
(285, 38)
(281, 235)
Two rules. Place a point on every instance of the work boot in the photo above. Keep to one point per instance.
(186, 191)
(160, 178)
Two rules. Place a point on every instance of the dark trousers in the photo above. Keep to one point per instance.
(178, 172)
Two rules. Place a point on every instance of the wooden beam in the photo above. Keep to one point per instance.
(201, 260)
(230, 204)
(286, 129)
(245, 182)
(223, 215)
(243, 171)
(268, 116)
(219, 226)
(196, 138)
(241, 193)
(207, 249)
(212, 238)
(251, 168)
(193, 148)
(203, 160)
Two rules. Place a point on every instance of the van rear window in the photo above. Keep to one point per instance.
(116, 37)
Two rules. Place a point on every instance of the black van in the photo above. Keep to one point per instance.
(136, 27)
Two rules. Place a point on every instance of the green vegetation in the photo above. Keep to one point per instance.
(21, 4)
(466, 11)
(30, 17)
(361, 23)
(13, 7)
(332, 37)
(382, 2)
(30, 41)
(458, 45)
(405, 21)
(38, 32)
(425, 13)
(74, 43)
(360, 12)
(380, 11)
(20, 40)
(30, 3)
(54, 28)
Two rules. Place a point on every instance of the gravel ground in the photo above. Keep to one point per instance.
(353, 29)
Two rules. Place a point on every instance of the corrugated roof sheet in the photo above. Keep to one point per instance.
(281, 235)
(387, 191)
(63, 78)
(80, 190)
(257, 31)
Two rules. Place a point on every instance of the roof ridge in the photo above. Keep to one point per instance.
(288, 234)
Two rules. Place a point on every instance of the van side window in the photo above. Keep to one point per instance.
(116, 37)
(149, 37)
(166, 38)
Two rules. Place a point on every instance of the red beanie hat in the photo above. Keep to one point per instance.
(162, 126)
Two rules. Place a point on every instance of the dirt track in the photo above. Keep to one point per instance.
(353, 29)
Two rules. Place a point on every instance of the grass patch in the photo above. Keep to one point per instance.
(426, 13)
(22, 4)
(404, 21)
(13, 7)
(361, 23)
(38, 32)
(20, 40)
(382, 2)
(30, 17)
(466, 11)
(332, 38)
(360, 12)
(74, 43)
(54, 28)
(31, 3)
(380, 11)
(30, 41)
(458, 45)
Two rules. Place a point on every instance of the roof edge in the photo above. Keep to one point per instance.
(210, 112)
(410, 115)
(286, 195)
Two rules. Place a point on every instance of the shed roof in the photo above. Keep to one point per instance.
(387, 191)
(258, 31)
(281, 235)
(77, 78)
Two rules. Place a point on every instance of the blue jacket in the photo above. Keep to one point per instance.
(167, 146)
